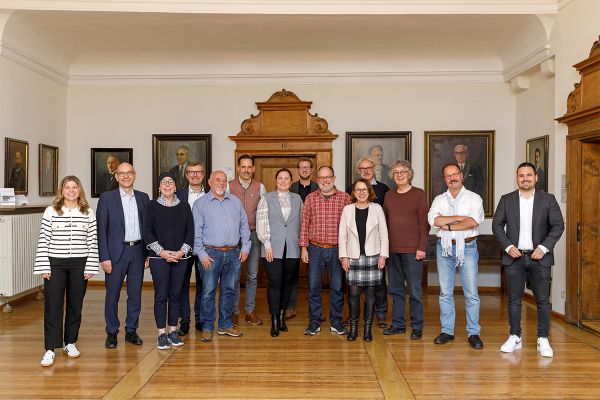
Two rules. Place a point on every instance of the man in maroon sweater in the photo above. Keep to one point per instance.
(406, 214)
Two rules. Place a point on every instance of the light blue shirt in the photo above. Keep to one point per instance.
(132, 221)
(219, 223)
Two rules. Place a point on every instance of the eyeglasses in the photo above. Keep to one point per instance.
(194, 172)
(125, 173)
(325, 178)
(361, 190)
(365, 169)
(167, 182)
(401, 173)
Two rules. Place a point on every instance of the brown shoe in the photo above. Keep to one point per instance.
(253, 319)
(289, 314)
(233, 331)
(381, 322)
(235, 319)
(207, 336)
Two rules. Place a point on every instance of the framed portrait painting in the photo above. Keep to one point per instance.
(104, 164)
(382, 147)
(536, 152)
(16, 165)
(48, 167)
(473, 151)
(172, 153)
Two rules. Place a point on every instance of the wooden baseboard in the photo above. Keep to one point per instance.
(529, 298)
(458, 290)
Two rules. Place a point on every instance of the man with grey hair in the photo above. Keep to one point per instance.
(471, 171)
(182, 153)
(406, 214)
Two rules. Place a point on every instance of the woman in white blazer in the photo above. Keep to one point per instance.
(363, 249)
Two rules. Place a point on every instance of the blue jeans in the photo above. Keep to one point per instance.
(251, 277)
(403, 267)
(226, 267)
(320, 260)
(446, 267)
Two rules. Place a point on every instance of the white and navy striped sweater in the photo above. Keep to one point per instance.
(72, 234)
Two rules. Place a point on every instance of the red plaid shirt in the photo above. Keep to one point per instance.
(321, 217)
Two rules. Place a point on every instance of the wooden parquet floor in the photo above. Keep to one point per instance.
(294, 366)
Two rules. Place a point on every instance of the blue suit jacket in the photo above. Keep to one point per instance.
(111, 223)
(183, 194)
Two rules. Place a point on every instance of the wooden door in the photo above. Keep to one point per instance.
(590, 232)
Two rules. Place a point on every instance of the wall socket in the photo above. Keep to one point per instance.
(562, 294)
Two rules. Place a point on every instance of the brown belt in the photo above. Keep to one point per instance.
(467, 240)
(323, 245)
(225, 248)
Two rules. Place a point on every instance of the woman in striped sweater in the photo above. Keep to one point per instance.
(67, 256)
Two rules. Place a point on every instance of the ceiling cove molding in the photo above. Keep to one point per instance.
(289, 78)
(20, 57)
(296, 6)
(533, 59)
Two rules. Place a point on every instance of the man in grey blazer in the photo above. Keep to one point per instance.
(528, 223)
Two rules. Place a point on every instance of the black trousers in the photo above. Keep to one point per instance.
(517, 273)
(167, 279)
(280, 272)
(381, 297)
(294, 290)
(66, 277)
(184, 309)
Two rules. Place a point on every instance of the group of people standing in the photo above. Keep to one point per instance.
(357, 237)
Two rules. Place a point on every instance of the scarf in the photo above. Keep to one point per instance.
(459, 236)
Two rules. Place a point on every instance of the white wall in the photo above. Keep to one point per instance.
(128, 116)
(32, 108)
(576, 28)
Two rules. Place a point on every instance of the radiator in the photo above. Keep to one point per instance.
(18, 242)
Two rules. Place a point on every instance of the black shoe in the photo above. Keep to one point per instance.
(198, 326)
(416, 334)
(393, 330)
(475, 342)
(367, 336)
(282, 325)
(353, 331)
(111, 341)
(274, 325)
(133, 338)
(184, 328)
(443, 338)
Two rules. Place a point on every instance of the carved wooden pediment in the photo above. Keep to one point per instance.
(284, 114)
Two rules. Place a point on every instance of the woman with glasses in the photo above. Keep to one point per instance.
(169, 233)
(363, 248)
(278, 228)
(406, 213)
(66, 257)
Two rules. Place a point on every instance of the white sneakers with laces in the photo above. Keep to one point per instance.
(512, 343)
(48, 359)
(543, 347)
(71, 350)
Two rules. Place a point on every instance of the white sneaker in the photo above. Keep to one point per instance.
(48, 359)
(543, 347)
(72, 351)
(512, 343)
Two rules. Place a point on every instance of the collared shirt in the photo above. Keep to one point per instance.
(246, 185)
(132, 221)
(467, 203)
(321, 217)
(220, 223)
(263, 229)
(526, 224)
(193, 195)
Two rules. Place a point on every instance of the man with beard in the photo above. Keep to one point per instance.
(455, 216)
(17, 175)
(528, 223)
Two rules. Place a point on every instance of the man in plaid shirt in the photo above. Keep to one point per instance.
(319, 243)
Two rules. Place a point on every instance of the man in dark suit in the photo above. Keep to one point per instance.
(472, 174)
(534, 223)
(17, 175)
(195, 173)
(539, 171)
(178, 170)
(366, 170)
(107, 180)
(120, 218)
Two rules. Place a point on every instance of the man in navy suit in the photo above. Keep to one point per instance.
(120, 218)
(534, 223)
(195, 173)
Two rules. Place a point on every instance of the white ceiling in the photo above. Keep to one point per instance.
(100, 43)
